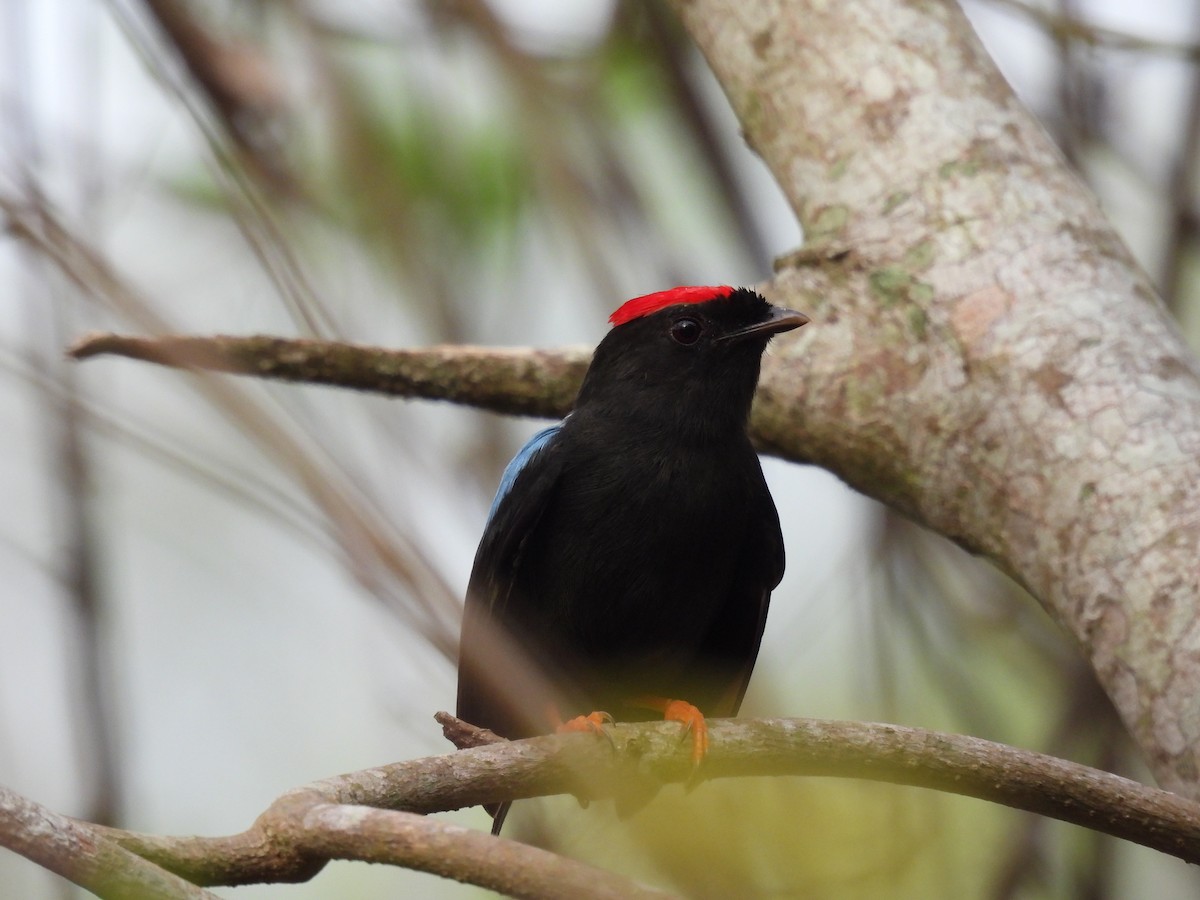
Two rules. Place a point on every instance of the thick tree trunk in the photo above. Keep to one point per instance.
(985, 355)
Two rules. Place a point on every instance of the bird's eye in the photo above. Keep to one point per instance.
(686, 331)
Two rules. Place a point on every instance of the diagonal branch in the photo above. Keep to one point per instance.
(1072, 28)
(81, 853)
(985, 357)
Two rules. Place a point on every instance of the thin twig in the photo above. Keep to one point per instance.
(1072, 28)
(378, 556)
(1182, 225)
(240, 83)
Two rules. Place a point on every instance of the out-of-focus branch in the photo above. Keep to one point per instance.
(1182, 224)
(1073, 28)
(672, 52)
(376, 554)
(241, 86)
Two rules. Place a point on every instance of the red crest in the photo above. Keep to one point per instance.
(652, 303)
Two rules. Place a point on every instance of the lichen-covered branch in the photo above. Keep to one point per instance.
(985, 356)
(376, 814)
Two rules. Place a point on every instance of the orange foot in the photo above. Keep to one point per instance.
(592, 723)
(691, 717)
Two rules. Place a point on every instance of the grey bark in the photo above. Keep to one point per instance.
(985, 355)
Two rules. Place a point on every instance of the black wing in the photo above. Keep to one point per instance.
(499, 687)
(732, 642)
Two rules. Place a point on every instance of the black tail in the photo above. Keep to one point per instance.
(499, 813)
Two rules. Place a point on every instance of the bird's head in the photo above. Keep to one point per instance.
(688, 353)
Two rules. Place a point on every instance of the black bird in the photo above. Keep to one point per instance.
(631, 550)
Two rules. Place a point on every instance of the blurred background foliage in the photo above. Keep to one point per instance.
(216, 590)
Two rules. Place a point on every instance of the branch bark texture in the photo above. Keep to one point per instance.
(985, 356)
(376, 814)
(310, 825)
(518, 382)
(80, 852)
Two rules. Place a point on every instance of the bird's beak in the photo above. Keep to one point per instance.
(779, 320)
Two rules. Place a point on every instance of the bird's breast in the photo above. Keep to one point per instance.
(638, 549)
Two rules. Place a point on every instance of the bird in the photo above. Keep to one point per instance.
(631, 549)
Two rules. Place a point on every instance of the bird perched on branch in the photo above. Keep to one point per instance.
(631, 550)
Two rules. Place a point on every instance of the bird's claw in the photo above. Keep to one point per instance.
(694, 723)
(593, 723)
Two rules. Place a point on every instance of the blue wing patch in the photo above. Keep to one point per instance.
(513, 469)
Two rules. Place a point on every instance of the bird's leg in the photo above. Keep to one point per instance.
(681, 711)
(592, 723)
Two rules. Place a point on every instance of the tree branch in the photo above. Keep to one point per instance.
(418, 842)
(346, 817)
(515, 381)
(985, 356)
(1065, 27)
(81, 853)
